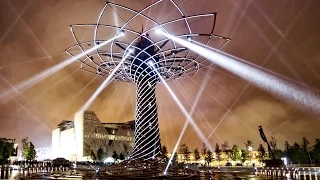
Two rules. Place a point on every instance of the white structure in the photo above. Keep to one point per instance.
(79, 139)
(43, 153)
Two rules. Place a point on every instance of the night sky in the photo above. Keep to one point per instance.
(279, 35)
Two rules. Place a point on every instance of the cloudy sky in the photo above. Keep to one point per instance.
(281, 36)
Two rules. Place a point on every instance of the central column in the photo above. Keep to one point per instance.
(147, 135)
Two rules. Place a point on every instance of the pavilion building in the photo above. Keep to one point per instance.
(81, 138)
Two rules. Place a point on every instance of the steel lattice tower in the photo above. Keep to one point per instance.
(145, 56)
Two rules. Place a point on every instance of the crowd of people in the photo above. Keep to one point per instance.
(35, 163)
(32, 163)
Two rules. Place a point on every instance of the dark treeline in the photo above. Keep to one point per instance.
(300, 152)
(6, 150)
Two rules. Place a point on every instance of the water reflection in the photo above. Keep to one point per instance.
(85, 174)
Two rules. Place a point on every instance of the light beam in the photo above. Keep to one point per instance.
(104, 84)
(281, 87)
(204, 83)
(48, 72)
(184, 111)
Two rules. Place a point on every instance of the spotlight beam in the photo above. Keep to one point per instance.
(48, 72)
(287, 90)
(184, 111)
(204, 83)
(104, 84)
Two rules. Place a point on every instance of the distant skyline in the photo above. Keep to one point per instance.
(281, 36)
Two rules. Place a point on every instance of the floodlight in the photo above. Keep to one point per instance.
(159, 31)
(121, 33)
(150, 62)
(131, 50)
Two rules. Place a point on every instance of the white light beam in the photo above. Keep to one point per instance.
(184, 111)
(48, 72)
(205, 81)
(280, 87)
(104, 84)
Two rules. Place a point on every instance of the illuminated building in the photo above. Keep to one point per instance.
(78, 139)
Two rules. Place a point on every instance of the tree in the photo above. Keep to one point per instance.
(204, 151)
(121, 157)
(2, 157)
(25, 147)
(262, 153)
(316, 150)
(298, 153)
(273, 145)
(287, 151)
(209, 157)
(218, 152)
(164, 153)
(6, 150)
(249, 148)
(174, 158)
(187, 154)
(244, 155)
(249, 144)
(305, 150)
(29, 152)
(184, 150)
(32, 152)
(115, 156)
(196, 154)
(100, 154)
(236, 153)
(295, 155)
(225, 149)
(5, 154)
(287, 148)
(93, 155)
(224, 146)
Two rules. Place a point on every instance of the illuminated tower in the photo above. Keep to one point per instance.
(148, 55)
(147, 134)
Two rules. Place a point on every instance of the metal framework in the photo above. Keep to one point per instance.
(144, 56)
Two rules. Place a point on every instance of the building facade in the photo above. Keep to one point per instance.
(81, 138)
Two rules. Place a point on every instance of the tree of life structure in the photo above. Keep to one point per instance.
(145, 52)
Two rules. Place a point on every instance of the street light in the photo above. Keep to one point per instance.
(15, 153)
